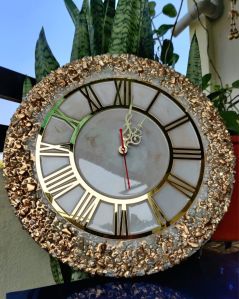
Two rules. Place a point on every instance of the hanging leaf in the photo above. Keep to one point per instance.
(169, 10)
(205, 81)
(45, 62)
(97, 10)
(194, 69)
(175, 59)
(81, 42)
(126, 28)
(235, 84)
(27, 86)
(73, 10)
(166, 55)
(109, 14)
(163, 29)
(146, 44)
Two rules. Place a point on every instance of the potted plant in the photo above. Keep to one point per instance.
(226, 100)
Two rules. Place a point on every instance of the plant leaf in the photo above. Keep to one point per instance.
(45, 61)
(175, 59)
(125, 32)
(97, 9)
(81, 42)
(205, 80)
(235, 84)
(166, 55)
(109, 14)
(231, 119)
(73, 10)
(146, 43)
(163, 29)
(27, 86)
(56, 270)
(169, 10)
(194, 69)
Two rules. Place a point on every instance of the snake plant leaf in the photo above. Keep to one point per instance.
(146, 44)
(81, 42)
(194, 69)
(166, 55)
(45, 62)
(97, 13)
(123, 38)
(169, 10)
(27, 86)
(56, 270)
(109, 14)
(86, 10)
(73, 10)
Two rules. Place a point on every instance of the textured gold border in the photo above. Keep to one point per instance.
(96, 254)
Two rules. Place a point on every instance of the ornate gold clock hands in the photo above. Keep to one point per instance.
(131, 136)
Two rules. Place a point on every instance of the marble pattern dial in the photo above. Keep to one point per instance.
(82, 171)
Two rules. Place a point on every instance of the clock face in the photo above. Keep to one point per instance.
(82, 170)
(118, 166)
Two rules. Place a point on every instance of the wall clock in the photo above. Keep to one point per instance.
(118, 165)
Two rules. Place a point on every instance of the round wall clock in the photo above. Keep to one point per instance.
(118, 165)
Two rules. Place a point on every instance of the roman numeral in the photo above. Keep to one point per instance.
(176, 123)
(47, 149)
(92, 98)
(159, 215)
(187, 153)
(123, 94)
(60, 182)
(85, 209)
(153, 101)
(121, 221)
(181, 185)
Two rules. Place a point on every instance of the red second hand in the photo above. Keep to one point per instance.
(124, 156)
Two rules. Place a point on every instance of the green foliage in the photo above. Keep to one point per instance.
(152, 5)
(73, 10)
(125, 36)
(205, 81)
(225, 102)
(56, 270)
(194, 69)
(169, 10)
(45, 62)
(63, 273)
(167, 53)
(27, 86)
(81, 41)
(235, 84)
(163, 29)
(109, 14)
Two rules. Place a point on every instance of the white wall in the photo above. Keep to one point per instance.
(23, 264)
(223, 52)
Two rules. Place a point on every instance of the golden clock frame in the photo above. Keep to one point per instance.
(95, 254)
